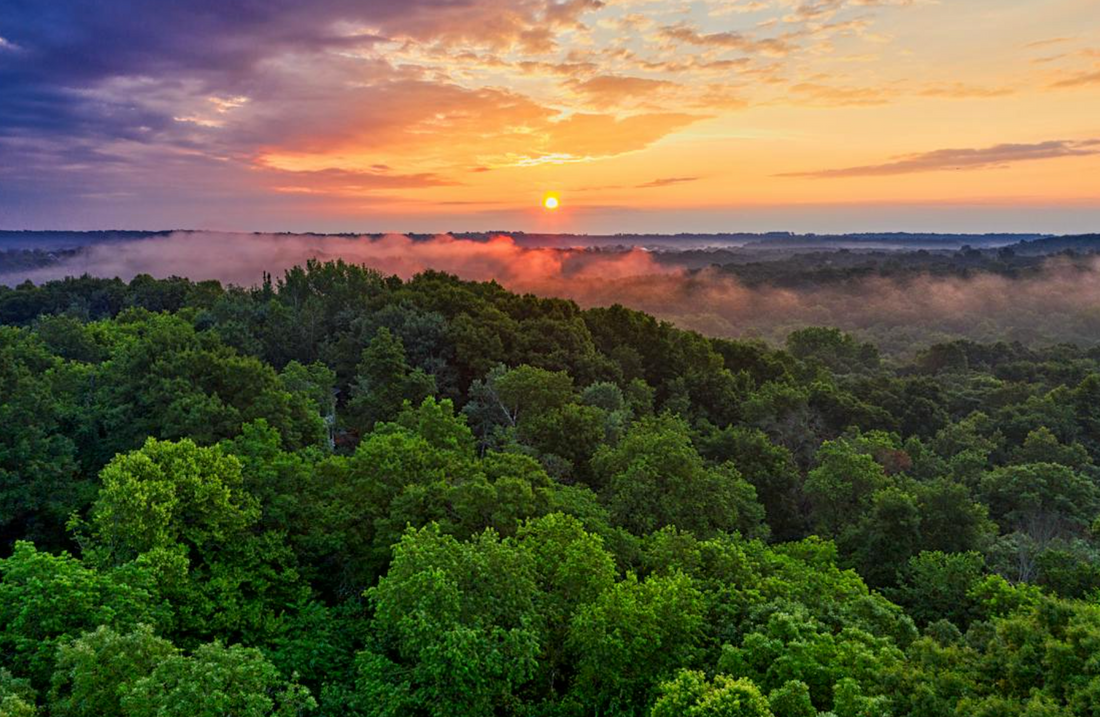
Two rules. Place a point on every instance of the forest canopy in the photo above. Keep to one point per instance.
(344, 493)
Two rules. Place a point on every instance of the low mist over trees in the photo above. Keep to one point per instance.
(926, 289)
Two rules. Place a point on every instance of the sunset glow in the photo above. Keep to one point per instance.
(550, 202)
(428, 116)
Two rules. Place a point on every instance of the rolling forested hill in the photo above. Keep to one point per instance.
(341, 493)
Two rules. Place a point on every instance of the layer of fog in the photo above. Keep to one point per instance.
(243, 258)
(1060, 304)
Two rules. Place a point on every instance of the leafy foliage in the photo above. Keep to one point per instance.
(342, 493)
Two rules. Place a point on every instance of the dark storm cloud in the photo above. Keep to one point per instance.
(64, 50)
(73, 42)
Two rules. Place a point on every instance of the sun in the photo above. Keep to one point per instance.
(551, 202)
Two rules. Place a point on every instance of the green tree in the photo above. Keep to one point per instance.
(168, 493)
(1086, 406)
(47, 600)
(655, 477)
(317, 383)
(795, 646)
(17, 698)
(39, 479)
(768, 467)
(792, 700)
(528, 391)
(841, 486)
(384, 382)
(96, 670)
(950, 519)
(181, 510)
(458, 631)
(1042, 446)
(691, 695)
(166, 380)
(935, 586)
(572, 433)
(1043, 500)
(885, 537)
(572, 569)
(632, 637)
(838, 351)
(216, 680)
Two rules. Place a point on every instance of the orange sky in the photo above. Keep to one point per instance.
(638, 113)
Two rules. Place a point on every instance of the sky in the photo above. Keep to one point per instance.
(639, 115)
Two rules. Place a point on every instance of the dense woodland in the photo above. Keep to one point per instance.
(340, 493)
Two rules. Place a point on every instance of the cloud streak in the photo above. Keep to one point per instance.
(684, 34)
(962, 159)
(1084, 79)
(666, 181)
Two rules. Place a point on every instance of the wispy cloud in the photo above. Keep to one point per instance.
(960, 90)
(1048, 42)
(338, 182)
(609, 90)
(829, 95)
(666, 181)
(962, 159)
(1083, 79)
(726, 40)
